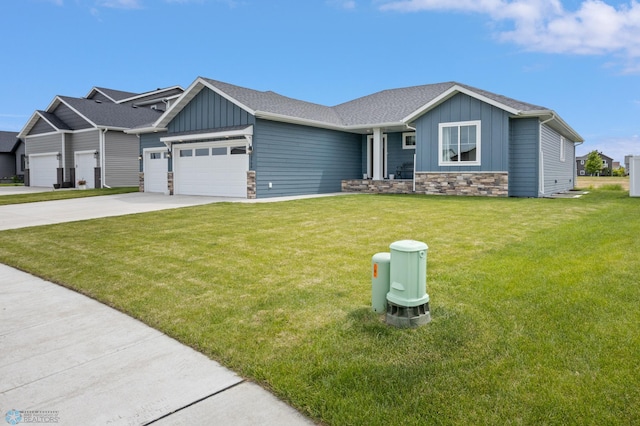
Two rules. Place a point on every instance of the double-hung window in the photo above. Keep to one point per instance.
(459, 143)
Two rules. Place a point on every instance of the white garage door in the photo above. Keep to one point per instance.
(43, 169)
(201, 169)
(155, 171)
(86, 167)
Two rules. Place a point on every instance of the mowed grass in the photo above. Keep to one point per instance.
(64, 194)
(534, 302)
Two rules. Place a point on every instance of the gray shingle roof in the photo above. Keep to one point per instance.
(274, 103)
(8, 141)
(387, 106)
(112, 115)
(116, 95)
(53, 119)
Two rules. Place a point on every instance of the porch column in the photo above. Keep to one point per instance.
(377, 154)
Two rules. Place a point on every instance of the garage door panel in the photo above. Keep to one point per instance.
(43, 170)
(218, 173)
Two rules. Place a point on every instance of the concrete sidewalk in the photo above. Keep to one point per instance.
(67, 356)
(70, 360)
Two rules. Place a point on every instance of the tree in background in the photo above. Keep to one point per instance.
(620, 171)
(593, 165)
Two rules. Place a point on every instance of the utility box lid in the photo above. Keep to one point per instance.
(408, 246)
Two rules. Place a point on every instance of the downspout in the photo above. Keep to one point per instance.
(103, 134)
(541, 165)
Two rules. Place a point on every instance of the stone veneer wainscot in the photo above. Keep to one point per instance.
(488, 184)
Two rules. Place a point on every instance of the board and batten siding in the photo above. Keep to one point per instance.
(300, 160)
(44, 143)
(494, 142)
(68, 116)
(209, 111)
(559, 174)
(523, 157)
(121, 159)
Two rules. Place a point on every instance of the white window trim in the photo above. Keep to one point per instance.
(404, 140)
(562, 149)
(442, 126)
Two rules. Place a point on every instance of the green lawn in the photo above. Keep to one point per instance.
(61, 195)
(534, 302)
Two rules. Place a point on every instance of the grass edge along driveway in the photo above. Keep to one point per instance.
(534, 301)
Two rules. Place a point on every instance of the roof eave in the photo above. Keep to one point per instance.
(141, 130)
(553, 116)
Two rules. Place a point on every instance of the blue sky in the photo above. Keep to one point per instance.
(579, 58)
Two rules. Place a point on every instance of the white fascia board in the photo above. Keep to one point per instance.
(566, 129)
(29, 125)
(143, 95)
(228, 97)
(95, 89)
(140, 130)
(452, 91)
(186, 97)
(198, 136)
(368, 128)
(78, 112)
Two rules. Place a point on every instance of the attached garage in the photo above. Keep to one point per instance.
(43, 169)
(211, 168)
(155, 169)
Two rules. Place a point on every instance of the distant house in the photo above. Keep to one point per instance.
(445, 138)
(83, 138)
(607, 165)
(12, 159)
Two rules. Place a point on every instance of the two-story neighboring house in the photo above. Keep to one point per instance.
(77, 139)
(607, 165)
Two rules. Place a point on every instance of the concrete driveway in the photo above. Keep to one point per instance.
(48, 212)
(70, 360)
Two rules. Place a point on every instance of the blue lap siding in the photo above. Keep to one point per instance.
(302, 160)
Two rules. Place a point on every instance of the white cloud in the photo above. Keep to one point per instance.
(120, 4)
(594, 28)
(343, 4)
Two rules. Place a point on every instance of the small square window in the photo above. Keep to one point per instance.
(155, 155)
(238, 150)
(409, 140)
(186, 153)
(202, 152)
(219, 151)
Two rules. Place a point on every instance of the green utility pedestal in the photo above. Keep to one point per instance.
(408, 301)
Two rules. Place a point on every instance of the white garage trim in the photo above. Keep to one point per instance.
(85, 163)
(230, 134)
(43, 168)
(155, 169)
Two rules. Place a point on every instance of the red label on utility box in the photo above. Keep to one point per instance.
(375, 270)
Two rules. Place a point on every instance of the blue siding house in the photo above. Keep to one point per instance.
(220, 139)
